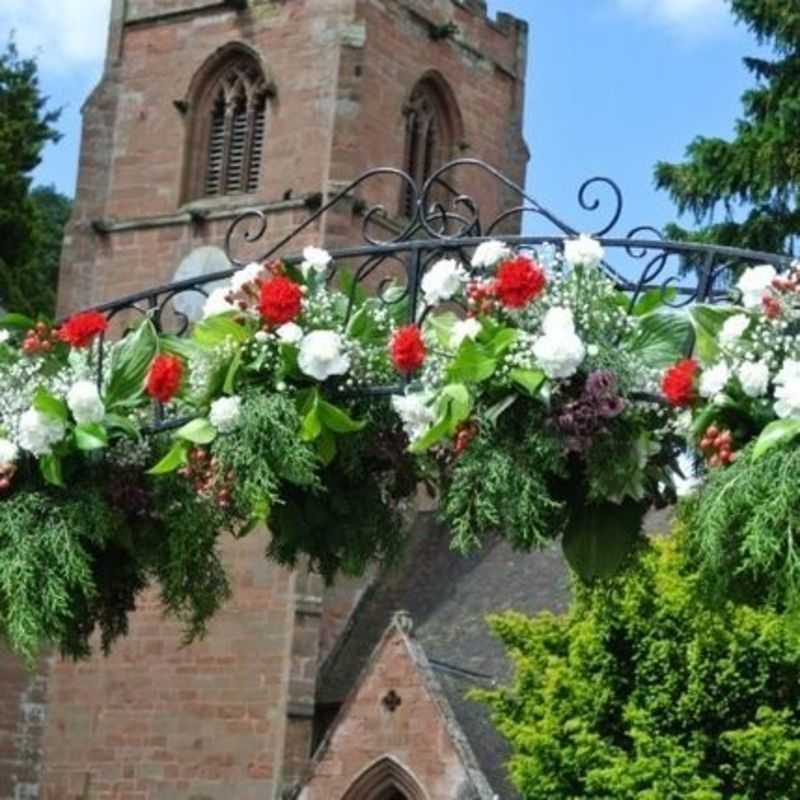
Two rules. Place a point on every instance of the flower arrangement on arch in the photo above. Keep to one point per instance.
(530, 411)
(740, 404)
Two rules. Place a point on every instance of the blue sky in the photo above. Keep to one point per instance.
(613, 86)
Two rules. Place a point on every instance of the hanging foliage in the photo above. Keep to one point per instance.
(532, 412)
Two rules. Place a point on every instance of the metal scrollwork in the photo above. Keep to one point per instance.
(445, 222)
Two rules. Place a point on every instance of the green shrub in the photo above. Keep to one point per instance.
(645, 692)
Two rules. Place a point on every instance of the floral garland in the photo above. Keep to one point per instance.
(531, 408)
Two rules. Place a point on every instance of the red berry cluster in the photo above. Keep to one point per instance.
(7, 472)
(465, 433)
(39, 340)
(789, 283)
(717, 447)
(481, 297)
(208, 480)
(773, 308)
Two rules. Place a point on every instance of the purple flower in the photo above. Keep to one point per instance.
(601, 383)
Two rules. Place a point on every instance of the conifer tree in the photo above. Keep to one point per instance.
(757, 172)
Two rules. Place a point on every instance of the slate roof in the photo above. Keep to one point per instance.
(448, 596)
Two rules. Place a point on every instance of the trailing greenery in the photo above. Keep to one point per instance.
(503, 482)
(643, 692)
(359, 516)
(266, 451)
(743, 530)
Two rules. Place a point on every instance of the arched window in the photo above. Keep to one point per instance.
(385, 780)
(229, 121)
(433, 126)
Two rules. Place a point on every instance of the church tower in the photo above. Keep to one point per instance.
(205, 108)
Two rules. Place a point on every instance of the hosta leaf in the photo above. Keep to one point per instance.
(130, 361)
(779, 432)
(531, 380)
(472, 364)
(50, 405)
(198, 431)
(90, 436)
(707, 322)
(174, 459)
(336, 419)
(661, 338)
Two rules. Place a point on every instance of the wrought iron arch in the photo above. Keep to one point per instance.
(384, 780)
(637, 261)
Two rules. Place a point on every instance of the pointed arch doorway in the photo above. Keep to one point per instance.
(386, 779)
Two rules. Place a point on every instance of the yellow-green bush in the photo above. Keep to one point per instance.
(645, 692)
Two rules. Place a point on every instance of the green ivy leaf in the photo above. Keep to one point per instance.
(90, 436)
(652, 300)
(442, 325)
(130, 361)
(118, 422)
(707, 322)
(177, 456)
(336, 419)
(472, 364)
(348, 285)
(502, 341)
(311, 426)
(229, 387)
(18, 322)
(198, 431)
(531, 380)
(326, 447)
(50, 405)
(661, 338)
(779, 432)
(50, 467)
(216, 330)
(454, 406)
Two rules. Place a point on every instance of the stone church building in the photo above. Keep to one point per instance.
(206, 107)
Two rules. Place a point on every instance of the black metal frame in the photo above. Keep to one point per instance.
(684, 272)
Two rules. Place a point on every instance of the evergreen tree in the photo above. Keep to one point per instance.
(31, 223)
(759, 168)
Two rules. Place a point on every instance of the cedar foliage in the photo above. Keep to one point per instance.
(645, 692)
(759, 167)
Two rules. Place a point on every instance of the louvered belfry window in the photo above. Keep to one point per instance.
(428, 143)
(236, 130)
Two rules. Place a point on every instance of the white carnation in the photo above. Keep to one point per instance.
(39, 432)
(443, 281)
(583, 251)
(465, 329)
(322, 355)
(733, 329)
(713, 380)
(490, 254)
(754, 377)
(754, 283)
(217, 303)
(9, 453)
(85, 404)
(316, 260)
(246, 275)
(787, 390)
(560, 351)
(290, 333)
(558, 320)
(4, 337)
(225, 414)
(414, 412)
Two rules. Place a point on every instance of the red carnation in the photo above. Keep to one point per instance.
(519, 281)
(408, 349)
(281, 300)
(164, 378)
(80, 330)
(678, 383)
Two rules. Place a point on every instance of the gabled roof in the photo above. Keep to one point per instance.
(448, 595)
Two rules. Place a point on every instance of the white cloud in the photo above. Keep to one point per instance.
(696, 17)
(65, 35)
